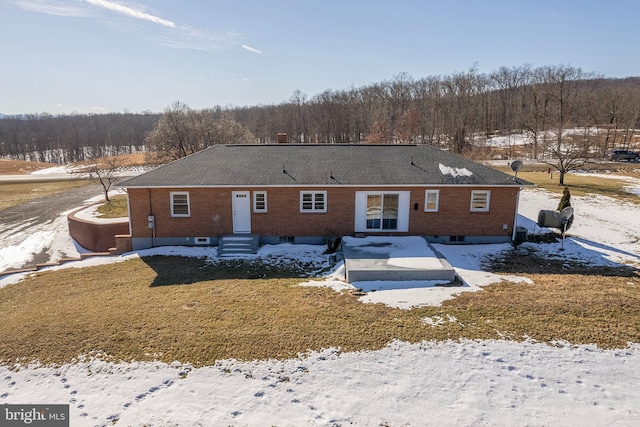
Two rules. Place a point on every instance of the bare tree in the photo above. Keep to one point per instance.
(105, 170)
(568, 152)
(182, 131)
(462, 91)
(568, 155)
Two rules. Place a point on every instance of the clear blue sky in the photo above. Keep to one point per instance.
(63, 56)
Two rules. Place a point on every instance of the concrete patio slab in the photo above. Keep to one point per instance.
(390, 258)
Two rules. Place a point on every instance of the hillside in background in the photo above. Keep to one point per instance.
(458, 112)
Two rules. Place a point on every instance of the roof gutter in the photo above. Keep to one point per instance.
(330, 185)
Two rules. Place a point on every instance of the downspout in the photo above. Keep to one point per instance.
(129, 212)
(153, 230)
(515, 217)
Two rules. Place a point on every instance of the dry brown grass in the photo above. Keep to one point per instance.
(580, 185)
(123, 311)
(557, 307)
(121, 161)
(169, 308)
(116, 208)
(135, 159)
(20, 167)
(13, 194)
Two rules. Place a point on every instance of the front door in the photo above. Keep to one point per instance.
(241, 212)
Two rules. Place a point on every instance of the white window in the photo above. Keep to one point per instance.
(180, 204)
(313, 201)
(431, 200)
(480, 201)
(259, 201)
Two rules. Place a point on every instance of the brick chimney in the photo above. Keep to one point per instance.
(282, 138)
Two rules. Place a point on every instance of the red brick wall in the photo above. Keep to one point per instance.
(211, 213)
(95, 236)
(123, 243)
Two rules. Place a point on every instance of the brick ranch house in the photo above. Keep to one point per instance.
(305, 193)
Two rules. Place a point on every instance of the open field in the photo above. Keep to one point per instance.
(173, 308)
(582, 184)
(17, 193)
(20, 167)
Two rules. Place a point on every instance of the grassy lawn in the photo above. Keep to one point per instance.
(13, 194)
(116, 208)
(173, 308)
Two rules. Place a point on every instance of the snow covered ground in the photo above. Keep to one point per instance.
(445, 383)
(527, 137)
(454, 384)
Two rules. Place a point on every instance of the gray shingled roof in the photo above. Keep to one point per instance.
(320, 164)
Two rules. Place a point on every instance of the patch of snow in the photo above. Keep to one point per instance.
(54, 170)
(406, 295)
(439, 320)
(509, 140)
(604, 230)
(91, 214)
(447, 170)
(524, 138)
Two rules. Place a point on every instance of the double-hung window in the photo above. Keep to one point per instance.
(431, 200)
(313, 201)
(259, 201)
(180, 204)
(480, 201)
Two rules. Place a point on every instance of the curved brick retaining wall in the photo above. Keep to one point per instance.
(96, 236)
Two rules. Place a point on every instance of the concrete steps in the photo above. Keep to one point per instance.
(238, 244)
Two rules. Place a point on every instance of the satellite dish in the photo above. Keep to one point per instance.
(516, 165)
(566, 215)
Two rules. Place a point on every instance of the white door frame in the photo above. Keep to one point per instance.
(241, 206)
(361, 211)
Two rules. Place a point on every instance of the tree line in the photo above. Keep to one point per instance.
(73, 138)
(456, 112)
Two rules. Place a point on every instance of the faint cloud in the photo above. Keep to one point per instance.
(166, 33)
(51, 7)
(129, 11)
(250, 49)
(187, 37)
(553, 15)
(98, 109)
